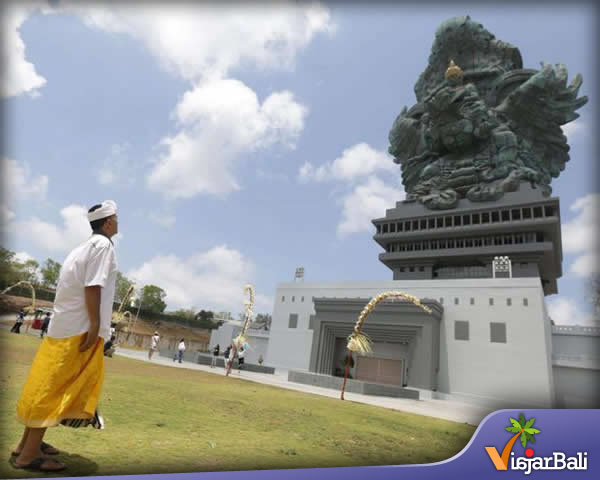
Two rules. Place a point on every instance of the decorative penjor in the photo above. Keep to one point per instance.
(30, 308)
(360, 343)
(123, 319)
(241, 341)
(482, 123)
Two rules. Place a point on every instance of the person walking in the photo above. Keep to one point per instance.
(226, 356)
(241, 355)
(153, 345)
(45, 324)
(110, 347)
(233, 352)
(67, 373)
(215, 355)
(16, 328)
(180, 350)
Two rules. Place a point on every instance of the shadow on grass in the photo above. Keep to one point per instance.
(77, 466)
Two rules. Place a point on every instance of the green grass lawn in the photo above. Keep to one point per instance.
(161, 419)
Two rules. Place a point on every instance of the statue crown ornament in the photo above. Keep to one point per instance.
(453, 70)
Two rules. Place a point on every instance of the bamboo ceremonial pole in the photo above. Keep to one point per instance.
(242, 338)
(359, 342)
(123, 319)
(31, 308)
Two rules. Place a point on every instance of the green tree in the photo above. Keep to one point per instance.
(206, 319)
(262, 321)
(29, 270)
(222, 317)
(188, 313)
(121, 288)
(50, 273)
(152, 299)
(9, 273)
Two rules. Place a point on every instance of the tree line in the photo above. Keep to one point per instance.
(150, 299)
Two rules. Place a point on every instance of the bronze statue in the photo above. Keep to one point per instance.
(482, 124)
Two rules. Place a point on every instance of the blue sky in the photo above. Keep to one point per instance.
(240, 143)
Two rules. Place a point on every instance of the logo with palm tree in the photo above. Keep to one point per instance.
(521, 428)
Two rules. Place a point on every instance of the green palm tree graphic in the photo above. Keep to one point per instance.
(524, 428)
(521, 428)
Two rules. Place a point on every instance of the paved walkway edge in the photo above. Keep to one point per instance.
(444, 409)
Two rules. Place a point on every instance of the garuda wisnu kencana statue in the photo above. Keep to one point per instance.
(482, 123)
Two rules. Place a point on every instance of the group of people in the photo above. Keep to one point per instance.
(154, 341)
(16, 328)
(230, 354)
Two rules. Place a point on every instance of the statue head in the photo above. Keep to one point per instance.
(472, 47)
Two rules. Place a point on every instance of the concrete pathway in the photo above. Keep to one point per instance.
(446, 409)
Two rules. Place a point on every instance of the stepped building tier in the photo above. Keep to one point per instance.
(439, 244)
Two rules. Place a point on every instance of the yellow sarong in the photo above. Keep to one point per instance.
(62, 383)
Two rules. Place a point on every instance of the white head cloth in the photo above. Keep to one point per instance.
(107, 209)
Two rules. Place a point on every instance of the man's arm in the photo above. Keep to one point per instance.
(92, 303)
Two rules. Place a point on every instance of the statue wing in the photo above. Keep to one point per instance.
(407, 144)
(537, 109)
(404, 135)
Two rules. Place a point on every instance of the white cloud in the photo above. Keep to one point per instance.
(367, 201)
(219, 120)
(203, 44)
(117, 168)
(165, 221)
(20, 183)
(363, 195)
(565, 311)
(50, 237)
(18, 75)
(207, 41)
(22, 257)
(572, 128)
(358, 161)
(580, 235)
(213, 279)
(6, 215)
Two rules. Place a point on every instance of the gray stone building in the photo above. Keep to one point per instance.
(488, 340)
(478, 239)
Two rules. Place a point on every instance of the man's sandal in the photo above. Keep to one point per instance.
(46, 449)
(37, 464)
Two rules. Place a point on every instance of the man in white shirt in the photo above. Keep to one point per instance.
(153, 345)
(181, 350)
(66, 377)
